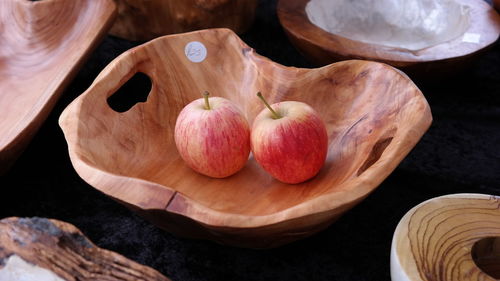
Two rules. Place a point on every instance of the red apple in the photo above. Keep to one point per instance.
(213, 137)
(289, 141)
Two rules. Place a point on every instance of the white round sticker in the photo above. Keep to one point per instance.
(195, 51)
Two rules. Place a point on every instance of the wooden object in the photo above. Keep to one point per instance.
(148, 19)
(454, 237)
(42, 46)
(36, 247)
(322, 47)
(374, 115)
(496, 3)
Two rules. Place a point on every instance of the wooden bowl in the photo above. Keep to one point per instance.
(374, 115)
(148, 19)
(322, 47)
(28, 247)
(454, 237)
(42, 46)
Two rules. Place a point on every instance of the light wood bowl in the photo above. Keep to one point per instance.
(42, 46)
(36, 247)
(374, 115)
(148, 19)
(322, 47)
(454, 237)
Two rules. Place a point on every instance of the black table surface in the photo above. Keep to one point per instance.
(460, 153)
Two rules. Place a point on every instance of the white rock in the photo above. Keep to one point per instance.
(17, 269)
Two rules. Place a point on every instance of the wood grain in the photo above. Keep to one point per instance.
(63, 249)
(322, 47)
(148, 19)
(374, 116)
(454, 237)
(42, 46)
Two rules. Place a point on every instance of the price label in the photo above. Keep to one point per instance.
(195, 51)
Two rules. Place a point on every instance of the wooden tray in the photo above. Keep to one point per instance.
(148, 19)
(322, 47)
(42, 46)
(374, 116)
(453, 237)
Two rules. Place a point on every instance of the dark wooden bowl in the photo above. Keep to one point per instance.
(148, 19)
(322, 47)
(42, 46)
(374, 116)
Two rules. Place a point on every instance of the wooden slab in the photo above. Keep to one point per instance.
(454, 237)
(42, 46)
(42, 249)
(148, 19)
(374, 116)
(322, 47)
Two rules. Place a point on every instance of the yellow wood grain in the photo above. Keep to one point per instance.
(454, 237)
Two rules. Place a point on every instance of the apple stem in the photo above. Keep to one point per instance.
(205, 95)
(275, 114)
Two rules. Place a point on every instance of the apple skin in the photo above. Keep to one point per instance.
(292, 148)
(214, 142)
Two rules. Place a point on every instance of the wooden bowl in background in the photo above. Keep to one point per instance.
(374, 116)
(322, 47)
(148, 19)
(48, 249)
(453, 237)
(42, 46)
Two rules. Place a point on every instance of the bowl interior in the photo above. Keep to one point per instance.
(412, 24)
(367, 107)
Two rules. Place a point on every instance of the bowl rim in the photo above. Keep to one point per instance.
(172, 201)
(484, 20)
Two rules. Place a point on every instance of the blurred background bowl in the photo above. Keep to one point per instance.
(444, 59)
(147, 19)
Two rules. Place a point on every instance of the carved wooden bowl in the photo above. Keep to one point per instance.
(148, 19)
(374, 115)
(453, 237)
(42, 46)
(322, 47)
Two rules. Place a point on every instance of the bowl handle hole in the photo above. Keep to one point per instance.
(135, 90)
(486, 255)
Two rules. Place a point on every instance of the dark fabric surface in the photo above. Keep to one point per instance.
(459, 153)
